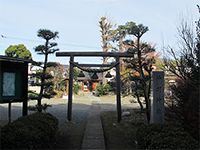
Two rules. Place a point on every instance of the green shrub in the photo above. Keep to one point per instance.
(32, 95)
(76, 88)
(173, 138)
(59, 94)
(42, 107)
(164, 137)
(144, 134)
(102, 89)
(35, 131)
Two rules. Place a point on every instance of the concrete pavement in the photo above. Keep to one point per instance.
(93, 135)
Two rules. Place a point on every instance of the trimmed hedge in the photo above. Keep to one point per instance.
(164, 137)
(35, 131)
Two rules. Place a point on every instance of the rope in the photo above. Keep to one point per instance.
(94, 70)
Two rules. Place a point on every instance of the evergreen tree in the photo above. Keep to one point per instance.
(18, 51)
(46, 84)
(140, 67)
(135, 72)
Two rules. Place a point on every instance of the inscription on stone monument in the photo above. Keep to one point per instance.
(157, 104)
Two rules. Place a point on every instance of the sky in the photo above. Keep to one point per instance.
(77, 22)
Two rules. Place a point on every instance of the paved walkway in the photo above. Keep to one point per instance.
(93, 136)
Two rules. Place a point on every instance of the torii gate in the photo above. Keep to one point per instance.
(117, 56)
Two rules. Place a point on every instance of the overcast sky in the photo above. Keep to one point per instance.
(77, 21)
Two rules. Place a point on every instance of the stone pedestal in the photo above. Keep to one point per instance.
(157, 104)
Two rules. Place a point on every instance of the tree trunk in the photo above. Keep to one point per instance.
(147, 101)
(43, 78)
(104, 60)
(149, 86)
(148, 115)
(142, 77)
(138, 98)
(148, 98)
(140, 103)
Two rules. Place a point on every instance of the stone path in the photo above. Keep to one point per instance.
(93, 136)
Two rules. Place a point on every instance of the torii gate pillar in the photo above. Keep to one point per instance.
(118, 91)
(70, 94)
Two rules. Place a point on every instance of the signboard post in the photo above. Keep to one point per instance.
(9, 112)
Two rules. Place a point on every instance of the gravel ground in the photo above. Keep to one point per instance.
(70, 133)
(81, 104)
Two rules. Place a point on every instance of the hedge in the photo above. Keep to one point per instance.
(35, 131)
(164, 137)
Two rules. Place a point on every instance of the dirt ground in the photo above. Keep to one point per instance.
(81, 104)
(70, 134)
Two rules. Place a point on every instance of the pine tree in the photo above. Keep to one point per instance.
(141, 64)
(46, 84)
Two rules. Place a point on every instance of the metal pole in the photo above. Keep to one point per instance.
(70, 94)
(9, 112)
(25, 108)
(25, 100)
(118, 90)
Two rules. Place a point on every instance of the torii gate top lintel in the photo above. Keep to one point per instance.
(95, 54)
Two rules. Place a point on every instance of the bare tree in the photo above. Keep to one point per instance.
(184, 64)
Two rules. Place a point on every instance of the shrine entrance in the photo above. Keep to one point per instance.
(73, 64)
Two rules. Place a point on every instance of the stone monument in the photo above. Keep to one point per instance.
(157, 104)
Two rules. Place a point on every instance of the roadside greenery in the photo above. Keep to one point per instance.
(36, 131)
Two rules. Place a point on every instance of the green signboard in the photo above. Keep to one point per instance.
(13, 81)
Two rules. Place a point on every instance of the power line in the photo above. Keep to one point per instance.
(31, 40)
(18, 38)
(78, 45)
